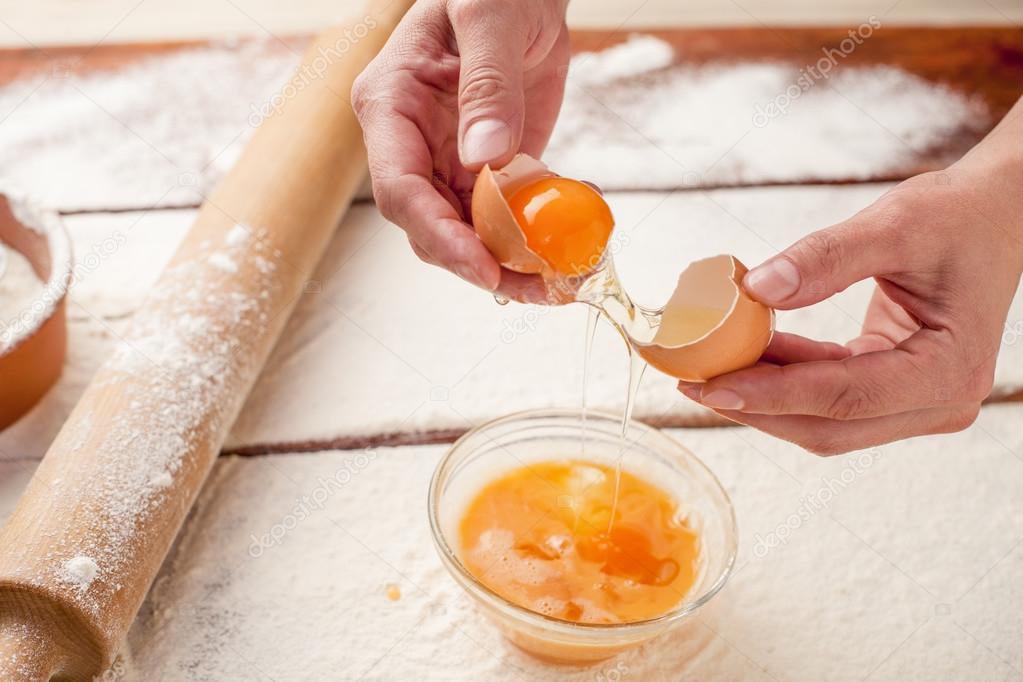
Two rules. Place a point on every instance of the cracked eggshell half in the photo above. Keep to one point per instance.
(710, 326)
(493, 219)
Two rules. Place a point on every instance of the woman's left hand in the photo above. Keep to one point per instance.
(946, 251)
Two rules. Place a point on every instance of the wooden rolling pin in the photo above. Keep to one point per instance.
(96, 521)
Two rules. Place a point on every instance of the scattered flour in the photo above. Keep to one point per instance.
(632, 121)
(638, 55)
(81, 571)
(19, 285)
(146, 132)
(224, 262)
(161, 480)
(874, 567)
(25, 302)
(238, 235)
(24, 662)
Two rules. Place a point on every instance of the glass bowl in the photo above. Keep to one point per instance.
(497, 447)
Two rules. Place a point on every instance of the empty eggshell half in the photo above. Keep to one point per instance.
(493, 219)
(710, 326)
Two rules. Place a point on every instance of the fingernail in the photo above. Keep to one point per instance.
(484, 141)
(774, 281)
(472, 275)
(690, 390)
(722, 399)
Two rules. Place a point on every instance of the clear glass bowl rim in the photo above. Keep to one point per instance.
(481, 591)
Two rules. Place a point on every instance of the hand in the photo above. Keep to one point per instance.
(946, 250)
(460, 83)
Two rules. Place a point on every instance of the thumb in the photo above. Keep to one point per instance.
(823, 263)
(491, 103)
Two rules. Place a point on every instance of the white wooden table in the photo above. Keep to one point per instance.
(909, 570)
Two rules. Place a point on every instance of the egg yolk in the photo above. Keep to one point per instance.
(539, 536)
(566, 223)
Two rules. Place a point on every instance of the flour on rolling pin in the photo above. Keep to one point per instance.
(81, 571)
(175, 366)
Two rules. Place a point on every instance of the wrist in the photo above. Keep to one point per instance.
(998, 158)
(994, 171)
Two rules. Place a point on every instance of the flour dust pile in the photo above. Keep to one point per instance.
(632, 120)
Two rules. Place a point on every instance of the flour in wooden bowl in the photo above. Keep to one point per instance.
(19, 285)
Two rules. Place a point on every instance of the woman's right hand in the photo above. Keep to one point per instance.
(460, 84)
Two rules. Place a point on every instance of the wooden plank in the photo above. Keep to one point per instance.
(384, 350)
(855, 545)
(987, 61)
(65, 61)
(152, 159)
(55, 22)
(982, 63)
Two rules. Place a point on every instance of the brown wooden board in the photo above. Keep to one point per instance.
(983, 62)
(987, 62)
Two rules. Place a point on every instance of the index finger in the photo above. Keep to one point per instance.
(401, 166)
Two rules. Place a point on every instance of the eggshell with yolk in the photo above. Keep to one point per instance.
(493, 219)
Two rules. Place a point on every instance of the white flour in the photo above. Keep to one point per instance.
(874, 566)
(19, 285)
(139, 136)
(25, 302)
(163, 130)
(630, 121)
(81, 571)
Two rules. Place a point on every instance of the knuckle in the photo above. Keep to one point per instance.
(822, 251)
(961, 419)
(978, 384)
(362, 92)
(889, 215)
(463, 12)
(483, 83)
(376, 93)
(824, 446)
(961, 378)
(386, 199)
(853, 401)
(420, 253)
